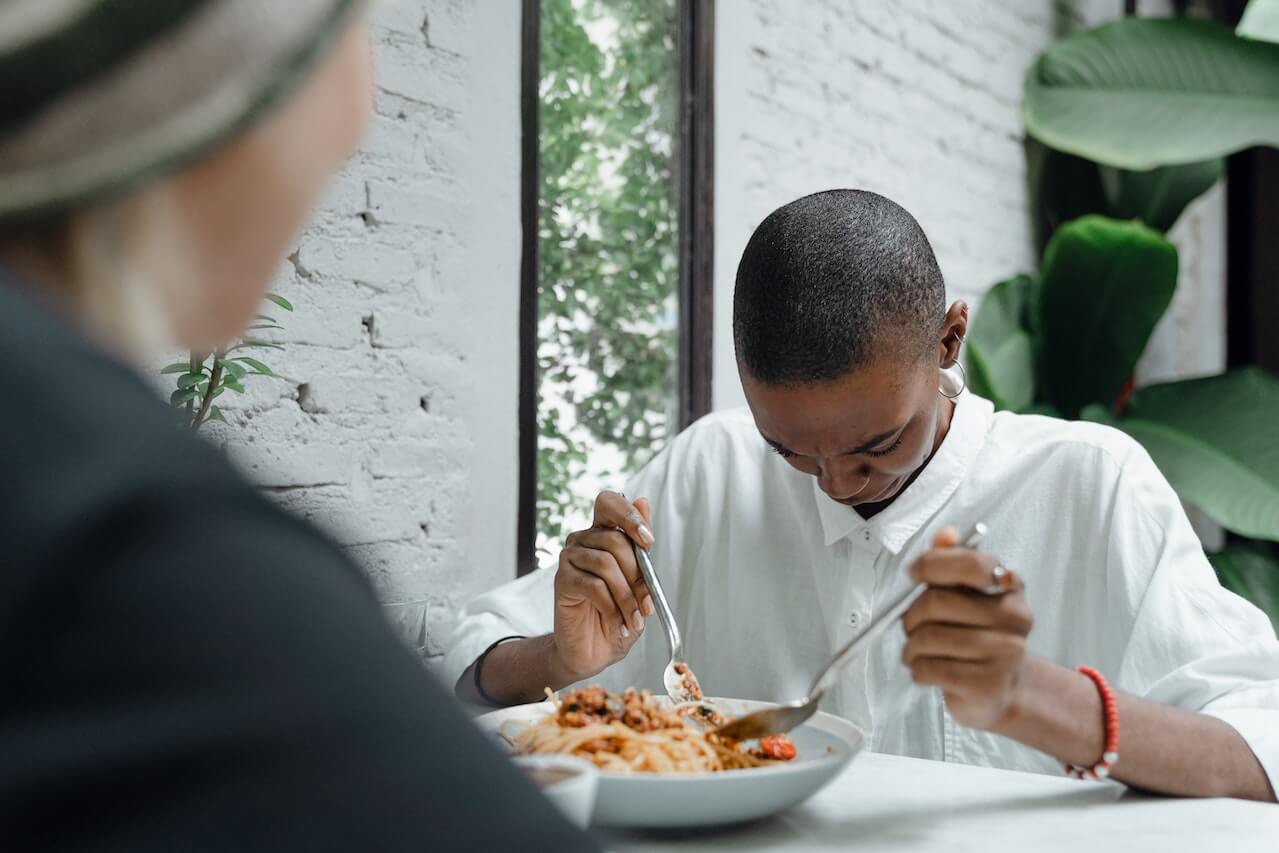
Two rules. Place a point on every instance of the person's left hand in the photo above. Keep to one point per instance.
(959, 638)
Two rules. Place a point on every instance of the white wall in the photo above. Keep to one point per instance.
(395, 425)
(917, 100)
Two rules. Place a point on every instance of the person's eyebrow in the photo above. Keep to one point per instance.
(877, 440)
(778, 446)
(862, 448)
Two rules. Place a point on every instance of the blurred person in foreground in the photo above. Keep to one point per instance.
(184, 667)
(784, 529)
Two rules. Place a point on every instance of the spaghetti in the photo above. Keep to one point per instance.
(632, 733)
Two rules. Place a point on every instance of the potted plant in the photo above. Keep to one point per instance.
(1128, 123)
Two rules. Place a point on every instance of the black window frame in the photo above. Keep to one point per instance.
(696, 190)
(1252, 255)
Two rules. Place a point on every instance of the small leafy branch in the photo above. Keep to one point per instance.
(206, 376)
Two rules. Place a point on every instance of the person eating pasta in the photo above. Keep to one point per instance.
(784, 529)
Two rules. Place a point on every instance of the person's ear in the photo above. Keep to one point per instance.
(954, 330)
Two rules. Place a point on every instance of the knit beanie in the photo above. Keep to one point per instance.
(99, 96)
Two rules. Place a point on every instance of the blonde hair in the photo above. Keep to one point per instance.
(110, 266)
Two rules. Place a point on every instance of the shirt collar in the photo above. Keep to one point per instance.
(894, 527)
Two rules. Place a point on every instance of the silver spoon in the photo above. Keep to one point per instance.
(681, 685)
(783, 718)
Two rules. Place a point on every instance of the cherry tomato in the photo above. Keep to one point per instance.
(778, 747)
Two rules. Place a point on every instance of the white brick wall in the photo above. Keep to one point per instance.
(395, 425)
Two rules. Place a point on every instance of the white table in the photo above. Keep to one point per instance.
(885, 802)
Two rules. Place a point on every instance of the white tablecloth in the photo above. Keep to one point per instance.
(884, 802)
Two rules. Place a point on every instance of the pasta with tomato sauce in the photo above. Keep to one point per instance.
(632, 732)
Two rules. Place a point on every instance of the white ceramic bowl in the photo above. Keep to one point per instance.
(825, 744)
(568, 782)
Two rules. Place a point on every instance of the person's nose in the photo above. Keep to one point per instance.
(843, 480)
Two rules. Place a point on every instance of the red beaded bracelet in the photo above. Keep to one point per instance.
(1110, 713)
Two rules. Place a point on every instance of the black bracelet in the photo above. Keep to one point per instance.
(479, 665)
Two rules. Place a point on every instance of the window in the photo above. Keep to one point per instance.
(616, 276)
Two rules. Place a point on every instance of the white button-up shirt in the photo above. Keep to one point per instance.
(768, 575)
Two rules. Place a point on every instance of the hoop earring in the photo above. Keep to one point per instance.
(963, 386)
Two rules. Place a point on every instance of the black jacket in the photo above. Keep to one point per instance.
(183, 667)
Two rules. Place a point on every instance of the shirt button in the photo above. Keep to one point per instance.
(854, 619)
(867, 535)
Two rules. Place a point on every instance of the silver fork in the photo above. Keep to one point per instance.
(783, 718)
(680, 686)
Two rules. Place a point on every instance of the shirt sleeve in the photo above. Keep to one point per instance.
(1194, 644)
(522, 607)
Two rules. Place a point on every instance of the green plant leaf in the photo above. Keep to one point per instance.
(1158, 196)
(1104, 285)
(1066, 187)
(1098, 414)
(1260, 21)
(260, 327)
(1062, 187)
(215, 414)
(280, 300)
(250, 343)
(176, 367)
(1214, 439)
(190, 380)
(1001, 358)
(1251, 569)
(180, 396)
(230, 368)
(1145, 92)
(234, 384)
(257, 366)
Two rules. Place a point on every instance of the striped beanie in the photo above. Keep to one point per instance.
(97, 96)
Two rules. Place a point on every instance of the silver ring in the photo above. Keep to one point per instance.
(1002, 581)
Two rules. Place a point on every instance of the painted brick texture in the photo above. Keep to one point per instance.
(372, 431)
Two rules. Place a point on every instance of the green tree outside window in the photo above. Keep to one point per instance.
(608, 250)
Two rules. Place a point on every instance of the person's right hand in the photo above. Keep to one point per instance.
(601, 600)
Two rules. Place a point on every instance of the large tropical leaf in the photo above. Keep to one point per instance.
(1158, 196)
(1215, 441)
(1062, 187)
(1104, 284)
(1141, 92)
(1066, 187)
(1260, 21)
(1001, 359)
(1251, 569)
